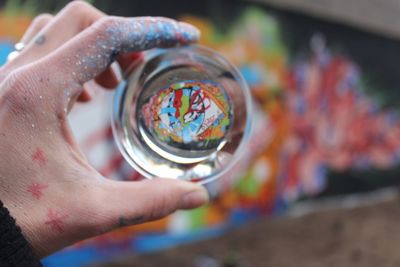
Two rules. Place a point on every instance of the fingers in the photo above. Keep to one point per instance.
(91, 52)
(36, 26)
(84, 96)
(108, 78)
(127, 62)
(71, 20)
(47, 33)
(128, 203)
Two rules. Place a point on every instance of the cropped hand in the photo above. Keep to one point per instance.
(55, 195)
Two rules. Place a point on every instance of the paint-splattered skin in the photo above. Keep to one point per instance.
(39, 157)
(123, 35)
(55, 220)
(36, 190)
(93, 50)
(55, 195)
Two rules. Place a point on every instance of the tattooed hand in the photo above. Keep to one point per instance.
(47, 184)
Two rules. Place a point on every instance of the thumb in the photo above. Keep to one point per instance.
(128, 203)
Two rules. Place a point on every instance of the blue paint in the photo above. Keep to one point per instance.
(82, 256)
(6, 47)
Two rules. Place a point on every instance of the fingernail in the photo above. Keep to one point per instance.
(194, 199)
(189, 32)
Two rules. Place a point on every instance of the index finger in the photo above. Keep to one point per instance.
(91, 52)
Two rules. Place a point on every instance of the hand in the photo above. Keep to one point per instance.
(47, 184)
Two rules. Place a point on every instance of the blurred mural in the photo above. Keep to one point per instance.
(319, 116)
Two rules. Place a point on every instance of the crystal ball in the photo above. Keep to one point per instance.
(182, 113)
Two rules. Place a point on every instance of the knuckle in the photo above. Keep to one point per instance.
(19, 89)
(42, 19)
(78, 7)
(105, 23)
(18, 79)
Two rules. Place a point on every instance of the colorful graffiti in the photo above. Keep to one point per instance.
(189, 114)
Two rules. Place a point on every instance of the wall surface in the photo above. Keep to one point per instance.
(379, 16)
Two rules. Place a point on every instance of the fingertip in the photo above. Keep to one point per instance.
(195, 199)
(129, 61)
(189, 195)
(192, 195)
(107, 79)
(84, 96)
(189, 32)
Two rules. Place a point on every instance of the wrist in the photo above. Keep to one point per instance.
(58, 218)
(15, 249)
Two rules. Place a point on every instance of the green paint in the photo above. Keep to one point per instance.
(197, 218)
(248, 185)
(185, 106)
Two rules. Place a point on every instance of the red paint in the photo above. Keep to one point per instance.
(39, 157)
(179, 37)
(36, 190)
(55, 220)
(178, 102)
(193, 97)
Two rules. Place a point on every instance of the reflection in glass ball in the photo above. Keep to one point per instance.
(184, 113)
(189, 114)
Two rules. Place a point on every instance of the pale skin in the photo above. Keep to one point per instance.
(55, 195)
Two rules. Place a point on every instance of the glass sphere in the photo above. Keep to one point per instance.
(182, 113)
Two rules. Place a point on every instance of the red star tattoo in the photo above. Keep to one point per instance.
(36, 190)
(55, 220)
(39, 157)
